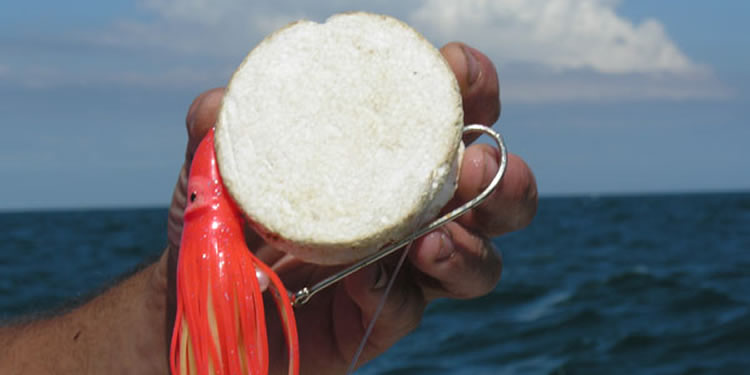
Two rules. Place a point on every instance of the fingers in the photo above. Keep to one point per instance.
(510, 207)
(477, 79)
(451, 262)
(455, 263)
(458, 260)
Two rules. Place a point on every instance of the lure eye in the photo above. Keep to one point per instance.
(192, 197)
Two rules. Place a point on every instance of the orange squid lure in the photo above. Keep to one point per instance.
(220, 325)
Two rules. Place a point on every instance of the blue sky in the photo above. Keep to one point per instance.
(599, 97)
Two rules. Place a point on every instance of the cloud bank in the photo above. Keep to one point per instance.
(561, 34)
(544, 49)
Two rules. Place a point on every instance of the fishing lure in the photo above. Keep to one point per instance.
(220, 324)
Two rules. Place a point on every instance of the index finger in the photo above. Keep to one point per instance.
(477, 79)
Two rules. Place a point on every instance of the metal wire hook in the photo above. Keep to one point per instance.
(303, 295)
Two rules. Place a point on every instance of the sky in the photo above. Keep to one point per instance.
(599, 97)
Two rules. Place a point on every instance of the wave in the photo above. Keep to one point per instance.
(701, 300)
(637, 341)
(541, 306)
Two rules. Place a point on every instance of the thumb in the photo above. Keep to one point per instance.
(200, 118)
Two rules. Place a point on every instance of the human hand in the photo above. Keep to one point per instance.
(456, 261)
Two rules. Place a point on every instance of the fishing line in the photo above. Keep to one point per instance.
(381, 304)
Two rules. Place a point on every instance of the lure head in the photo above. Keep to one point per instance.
(205, 190)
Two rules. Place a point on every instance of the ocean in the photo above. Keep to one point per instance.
(653, 284)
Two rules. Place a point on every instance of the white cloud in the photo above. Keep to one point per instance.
(544, 49)
(561, 34)
(562, 50)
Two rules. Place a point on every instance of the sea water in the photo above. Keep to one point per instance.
(656, 284)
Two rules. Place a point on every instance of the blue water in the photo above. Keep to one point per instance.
(610, 285)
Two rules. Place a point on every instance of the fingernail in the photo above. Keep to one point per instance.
(472, 64)
(447, 249)
(379, 276)
(490, 169)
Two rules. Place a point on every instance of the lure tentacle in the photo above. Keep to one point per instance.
(220, 325)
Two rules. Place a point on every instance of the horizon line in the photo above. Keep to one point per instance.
(557, 195)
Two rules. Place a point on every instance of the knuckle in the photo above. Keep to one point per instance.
(531, 204)
(488, 270)
(494, 266)
(193, 109)
(513, 205)
(407, 309)
(197, 109)
(478, 273)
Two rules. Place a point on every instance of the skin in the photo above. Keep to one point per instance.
(127, 328)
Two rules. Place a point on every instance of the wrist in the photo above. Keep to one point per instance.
(123, 330)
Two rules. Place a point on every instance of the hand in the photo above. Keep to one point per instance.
(456, 261)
